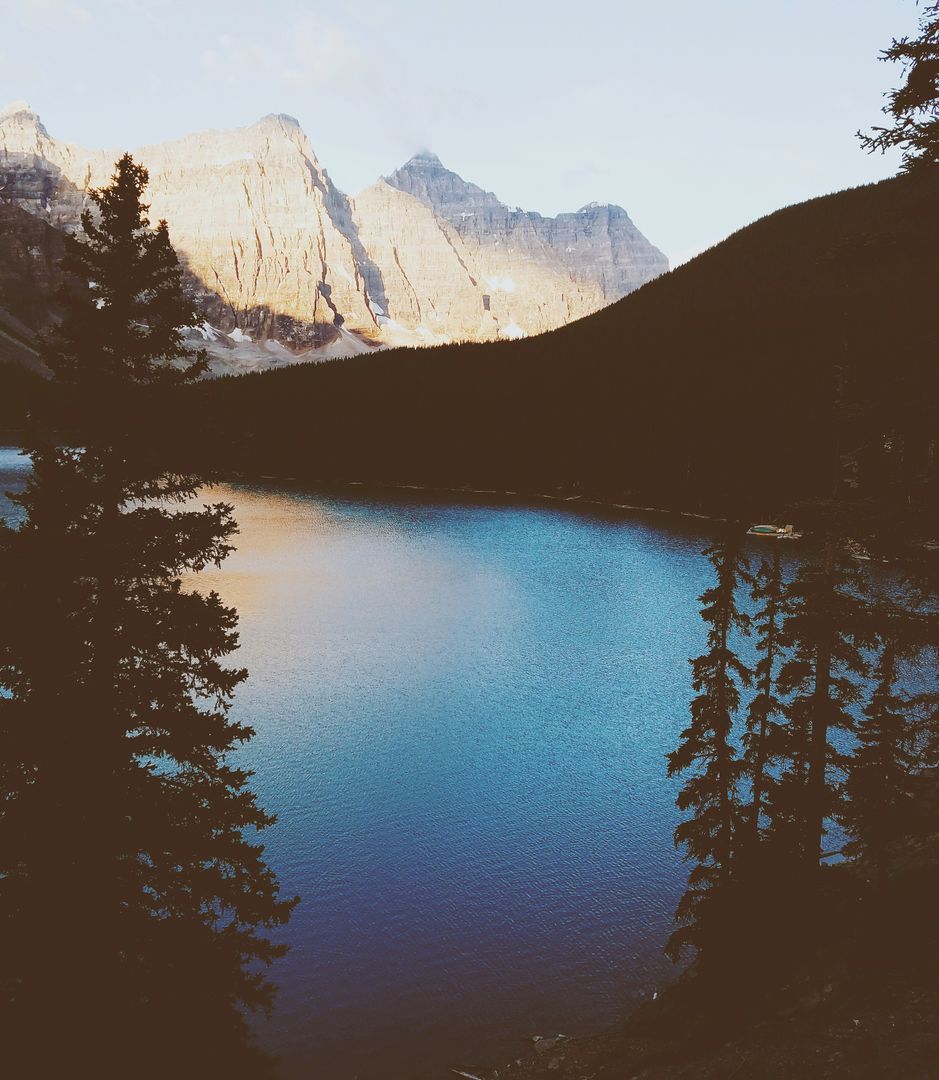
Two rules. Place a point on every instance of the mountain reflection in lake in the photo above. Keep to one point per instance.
(462, 713)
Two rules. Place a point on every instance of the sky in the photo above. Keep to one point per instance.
(696, 117)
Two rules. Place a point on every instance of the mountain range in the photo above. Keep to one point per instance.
(285, 267)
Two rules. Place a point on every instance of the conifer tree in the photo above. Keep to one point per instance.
(763, 737)
(706, 752)
(881, 777)
(929, 704)
(826, 626)
(897, 741)
(914, 106)
(133, 899)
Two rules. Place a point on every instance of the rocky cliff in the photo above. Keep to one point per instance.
(284, 266)
(598, 247)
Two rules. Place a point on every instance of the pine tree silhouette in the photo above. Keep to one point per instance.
(880, 778)
(914, 106)
(896, 749)
(763, 735)
(133, 897)
(706, 750)
(825, 630)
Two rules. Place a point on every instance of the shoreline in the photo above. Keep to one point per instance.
(574, 501)
(571, 501)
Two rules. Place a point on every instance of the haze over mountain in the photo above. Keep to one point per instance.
(285, 266)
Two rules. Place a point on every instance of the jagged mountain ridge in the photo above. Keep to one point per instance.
(284, 266)
(597, 244)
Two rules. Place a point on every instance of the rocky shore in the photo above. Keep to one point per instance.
(836, 1030)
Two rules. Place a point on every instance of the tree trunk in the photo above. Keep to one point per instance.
(821, 717)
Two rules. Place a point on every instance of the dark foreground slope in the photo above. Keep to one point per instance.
(30, 277)
(736, 381)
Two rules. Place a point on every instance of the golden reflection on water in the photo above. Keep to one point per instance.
(320, 576)
(275, 532)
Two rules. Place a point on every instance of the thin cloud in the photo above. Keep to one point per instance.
(46, 13)
(323, 52)
(312, 53)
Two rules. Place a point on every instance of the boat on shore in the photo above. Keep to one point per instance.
(774, 532)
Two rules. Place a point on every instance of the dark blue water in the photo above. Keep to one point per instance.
(462, 713)
(462, 717)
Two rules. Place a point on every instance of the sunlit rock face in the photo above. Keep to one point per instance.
(426, 281)
(257, 223)
(285, 267)
(446, 288)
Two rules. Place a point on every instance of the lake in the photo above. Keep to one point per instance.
(462, 714)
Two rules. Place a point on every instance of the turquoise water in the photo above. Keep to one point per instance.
(462, 712)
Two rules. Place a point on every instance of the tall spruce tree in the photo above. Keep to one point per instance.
(913, 107)
(880, 780)
(764, 735)
(929, 703)
(706, 751)
(133, 897)
(896, 740)
(826, 627)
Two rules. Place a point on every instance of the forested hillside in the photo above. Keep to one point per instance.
(801, 348)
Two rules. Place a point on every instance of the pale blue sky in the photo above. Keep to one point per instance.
(697, 117)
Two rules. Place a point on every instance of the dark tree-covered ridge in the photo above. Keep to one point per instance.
(713, 388)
